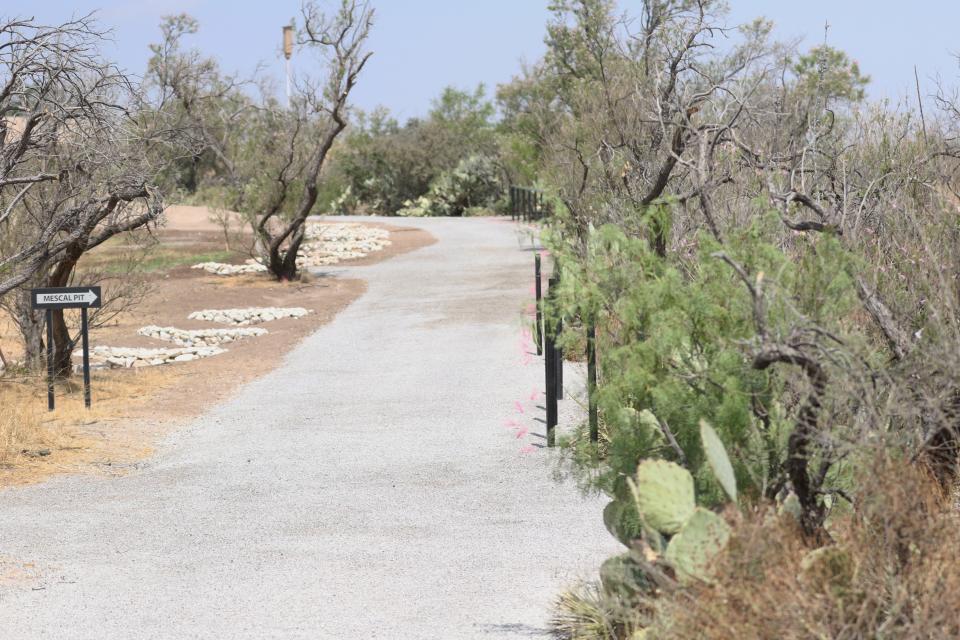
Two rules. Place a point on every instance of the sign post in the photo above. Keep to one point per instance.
(82, 298)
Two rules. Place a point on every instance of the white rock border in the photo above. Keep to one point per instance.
(326, 244)
(248, 316)
(132, 357)
(200, 337)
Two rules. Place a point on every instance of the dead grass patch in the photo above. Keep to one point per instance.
(893, 571)
(35, 443)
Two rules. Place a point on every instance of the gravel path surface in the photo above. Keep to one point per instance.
(367, 488)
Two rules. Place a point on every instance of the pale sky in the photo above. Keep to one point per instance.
(423, 45)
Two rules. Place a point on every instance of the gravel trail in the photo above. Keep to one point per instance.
(370, 487)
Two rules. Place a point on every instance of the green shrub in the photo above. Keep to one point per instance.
(474, 183)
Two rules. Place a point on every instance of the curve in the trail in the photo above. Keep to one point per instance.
(387, 481)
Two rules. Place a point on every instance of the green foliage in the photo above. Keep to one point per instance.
(698, 542)
(474, 183)
(670, 345)
(438, 165)
(380, 165)
(672, 336)
(829, 73)
(664, 495)
(717, 458)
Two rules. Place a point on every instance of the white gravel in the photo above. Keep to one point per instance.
(250, 315)
(370, 487)
(200, 337)
(134, 357)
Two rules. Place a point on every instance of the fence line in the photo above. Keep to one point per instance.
(527, 203)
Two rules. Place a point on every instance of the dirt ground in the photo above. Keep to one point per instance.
(132, 408)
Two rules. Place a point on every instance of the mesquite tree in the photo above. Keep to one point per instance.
(340, 40)
(55, 89)
(75, 169)
(269, 157)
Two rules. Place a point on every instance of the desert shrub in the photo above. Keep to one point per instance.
(472, 184)
(383, 166)
(757, 248)
(892, 571)
(675, 336)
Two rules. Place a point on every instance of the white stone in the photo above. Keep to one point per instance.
(325, 244)
(243, 317)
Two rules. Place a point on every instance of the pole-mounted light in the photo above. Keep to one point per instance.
(288, 53)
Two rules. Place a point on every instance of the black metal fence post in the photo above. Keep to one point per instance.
(592, 381)
(538, 330)
(527, 204)
(50, 401)
(559, 354)
(86, 357)
(559, 358)
(550, 382)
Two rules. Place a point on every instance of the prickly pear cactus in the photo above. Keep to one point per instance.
(622, 521)
(623, 576)
(697, 543)
(664, 495)
(625, 524)
(717, 458)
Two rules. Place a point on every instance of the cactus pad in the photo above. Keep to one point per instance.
(692, 550)
(718, 459)
(664, 495)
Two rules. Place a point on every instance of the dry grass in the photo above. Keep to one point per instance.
(35, 443)
(893, 572)
(587, 613)
(20, 428)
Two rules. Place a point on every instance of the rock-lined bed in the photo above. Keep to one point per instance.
(196, 343)
(325, 244)
(224, 269)
(200, 337)
(129, 357)
(332, 243)
(251, 315)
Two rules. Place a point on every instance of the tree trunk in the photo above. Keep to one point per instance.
(62, 342)
(30, 323)
(283, 265)
(62, 347)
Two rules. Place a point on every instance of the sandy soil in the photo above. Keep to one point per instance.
(134, 407)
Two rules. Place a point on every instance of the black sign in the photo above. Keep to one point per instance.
(82, 298)
(66, 298)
